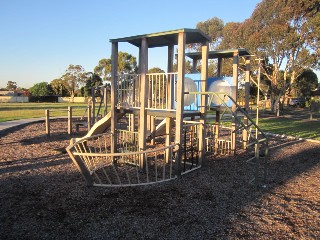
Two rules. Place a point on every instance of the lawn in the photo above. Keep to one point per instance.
(302, 128)
(14, 111)
(295, 122)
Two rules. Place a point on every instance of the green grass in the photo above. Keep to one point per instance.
(295, 122)
(293, 127)
(15, 111)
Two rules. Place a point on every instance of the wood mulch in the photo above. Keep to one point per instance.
(43, 196)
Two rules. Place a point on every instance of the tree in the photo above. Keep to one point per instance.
(126, 64)
(11, 86)
(213, 28)
(285, 34)
(306, 82)
(187, 67)
(40, 89)
(103, 69)
(155, 70)
(74, 77)
(58, 87)
(231, 36)
(94, 80)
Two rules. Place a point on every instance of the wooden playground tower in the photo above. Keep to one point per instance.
(144, 99)
(173, 110)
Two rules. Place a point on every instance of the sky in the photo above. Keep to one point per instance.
(41, 38)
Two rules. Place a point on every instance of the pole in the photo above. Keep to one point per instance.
(47, 122)
(69, 120)
(258, 95)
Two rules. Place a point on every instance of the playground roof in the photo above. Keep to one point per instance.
(219, 53)
(161, 39)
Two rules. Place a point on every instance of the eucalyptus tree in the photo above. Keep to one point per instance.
(283, 33)
(40, 89)
(75, 76)
(127, 63)
(306, 83)
(213, 28)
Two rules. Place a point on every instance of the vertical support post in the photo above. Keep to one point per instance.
(216, 131)
(105, 101)
(170, 100)
(47, 113)
(234, 95)
(171, 78)
(219, 67)
(152, 129)
(69, 120)
(246, 102)
(204, 100)
(93, 102)
(143, 97)
(114, 86)
(194, 66)
(180, 98)
(89, 117)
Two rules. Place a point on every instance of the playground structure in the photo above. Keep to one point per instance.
(157, 128)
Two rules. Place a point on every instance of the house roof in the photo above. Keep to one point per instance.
(167, 38)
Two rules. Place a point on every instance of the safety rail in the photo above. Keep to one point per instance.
(128, 90)
(190, 146)
(100, 167)
(158, 90)
(256, 137)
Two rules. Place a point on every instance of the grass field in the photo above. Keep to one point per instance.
(295, 122)
(14, 111)
(302, 128)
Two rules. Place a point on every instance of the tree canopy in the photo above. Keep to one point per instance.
(127, 63)
(11, 86)
(284, 33)
(94, 80)
(306, 83)
(40, 89)
(74, 77)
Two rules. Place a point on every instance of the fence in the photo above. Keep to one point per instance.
(69, 113)
(13, 99)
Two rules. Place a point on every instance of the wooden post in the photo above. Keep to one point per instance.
(194, 66)
(203, 104)
(89, 117)
(170, 86)
(105, 101)
(143, 98)
(216, 131)
(69, 120)
(114, 86)
(180, 99)
(170, 100)
(152, 129)
(219, 67)
(235, 97)
(93, 101)
(47, 113)
(246, 102)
